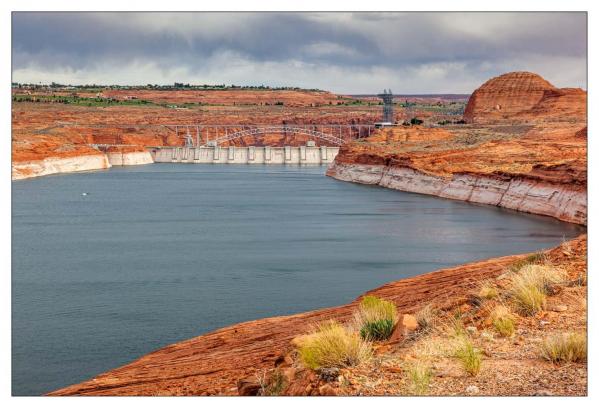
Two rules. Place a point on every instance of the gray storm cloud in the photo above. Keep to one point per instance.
(342, 52)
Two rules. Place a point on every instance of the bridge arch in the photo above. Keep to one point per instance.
(261, 130)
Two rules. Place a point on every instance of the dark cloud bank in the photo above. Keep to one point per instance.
(343, 52)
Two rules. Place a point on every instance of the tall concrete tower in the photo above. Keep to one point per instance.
(387, 98)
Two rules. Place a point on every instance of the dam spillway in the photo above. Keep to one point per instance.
(245, 155)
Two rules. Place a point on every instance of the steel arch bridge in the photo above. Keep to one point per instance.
(262, 130)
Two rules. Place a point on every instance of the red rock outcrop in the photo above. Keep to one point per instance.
(524, 96)
(531, 158)
(215, 362)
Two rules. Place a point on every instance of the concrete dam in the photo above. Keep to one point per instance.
(245, 155)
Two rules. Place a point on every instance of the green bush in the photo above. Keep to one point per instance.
(377, 330)
(375, 318)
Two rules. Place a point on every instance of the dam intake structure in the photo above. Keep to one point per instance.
(309, 154)
(202, 144)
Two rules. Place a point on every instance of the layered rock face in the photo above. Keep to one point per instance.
(533, 159)
(128, 156)
(54, 165)
(518, 193)
(51, 155)
(523, 96)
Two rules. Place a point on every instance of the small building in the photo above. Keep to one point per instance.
(379, 125)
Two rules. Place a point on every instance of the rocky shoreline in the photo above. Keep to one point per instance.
(213, 363)
(561, 201)
(56, 165)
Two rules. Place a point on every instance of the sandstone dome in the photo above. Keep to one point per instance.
(506, 95)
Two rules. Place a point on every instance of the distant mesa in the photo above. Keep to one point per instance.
(524, 96)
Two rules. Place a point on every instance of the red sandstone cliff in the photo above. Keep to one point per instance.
(525, 151)
(524, 96)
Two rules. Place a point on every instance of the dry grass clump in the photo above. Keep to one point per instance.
(419, 375)
(426, 318)
(503, 321)
(470, 357)
(332, 345)
(274, 385)
(375, 318)
(565, 348)
(431, 348)
(488, 291)
(531, 284)
(454, 326)
(537, 258)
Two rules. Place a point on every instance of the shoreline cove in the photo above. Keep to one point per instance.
(213, 362)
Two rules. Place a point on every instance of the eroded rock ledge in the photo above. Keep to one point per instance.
(213, 363)
(562, 201)
(100, 161)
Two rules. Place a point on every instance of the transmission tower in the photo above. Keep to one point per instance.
(387, 98)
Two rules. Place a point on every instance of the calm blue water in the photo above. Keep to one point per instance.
(160, 253)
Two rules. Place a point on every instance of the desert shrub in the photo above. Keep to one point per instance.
(468, 355)
(276, 384)
(332, 345)
(426, 318)
(565, 348)
(375, 318)
(534, 259)
(528, 299)
(503, 321)
(420, 378)
(488, 291)
(455, 326)
(377, 330)
(531, 284)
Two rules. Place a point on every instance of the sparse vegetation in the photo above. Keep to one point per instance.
(533, 259)
(565, 348)
(488, 291)
(332, 345)
(503, 321)
(376, 318)
(419, 375)
(456, 326)
(377, 330)
(468, 355)
(531, 284)
(275, 385)
(426, 318)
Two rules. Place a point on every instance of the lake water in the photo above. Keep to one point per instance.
(160, 253)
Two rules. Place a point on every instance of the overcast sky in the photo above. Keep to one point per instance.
(341, 52)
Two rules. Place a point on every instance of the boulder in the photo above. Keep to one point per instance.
(405, 325)
(248, 386)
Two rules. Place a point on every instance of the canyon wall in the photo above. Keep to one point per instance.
(567, 203)
(54, 165)
(70, 164)
(524, 149)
